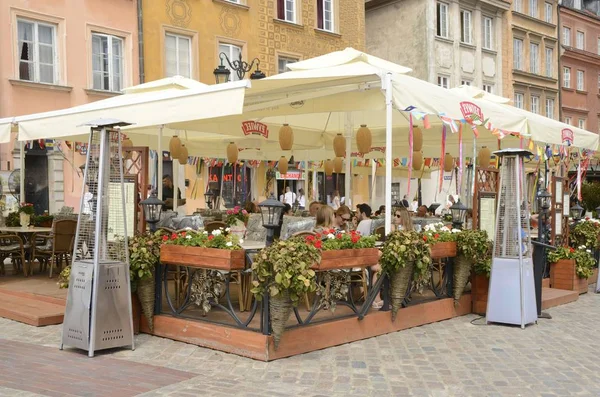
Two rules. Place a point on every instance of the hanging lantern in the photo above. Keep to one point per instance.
(363, 139)
(417, 161)
(232, 153)
(448, 162)
(126, 143)
(484, 157)
(339, 145)
(183, 156)
(417, 139)
(338, 165)
(328, 166)
(286, 137)
(282, 166)
(175, 147)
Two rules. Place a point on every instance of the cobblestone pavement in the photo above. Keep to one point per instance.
(557, 357)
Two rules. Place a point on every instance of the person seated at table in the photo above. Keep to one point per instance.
(402, 220)
(251, 207)
(365, 223)
(422, 211)
(287, 209)
(313, 208)
(169, 193)
(325, 219)
(342, 218)
(380, 211)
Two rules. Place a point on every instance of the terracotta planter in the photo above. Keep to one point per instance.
(480, 285)
(443, 250)
(205, 258)
(563, 276)
(136, 313)
(347, 259)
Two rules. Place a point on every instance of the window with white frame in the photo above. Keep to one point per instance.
(488, 33)
(566, 77)
(489, 88)
(566, 38)
(581, 124)
(567, 120)
(442, 20)
(533, 8)
(328, 15)
(534, 58)
(518, 54)
(107, 62)
(37, 51)
(466, 82)
(286, 10)
(580, 40)
(548, 12)
(549, 62)
(443, 82)
(580, 80)
(282, 63)
(233, 52)
(465, 27)
(519, 100)
(535, 104)
(518, 5)
(550, 108)
(178, 55)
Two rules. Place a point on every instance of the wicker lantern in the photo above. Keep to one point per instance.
(484, 157)
(282, 166)
(364, 139)
(339, 145)
(175, 147)
(417, 139)
(126, 143)
(328, 167)
(417, 161)
(286, 137)
(183, 156)
(448, 162)
(338, 165)
(232, 152)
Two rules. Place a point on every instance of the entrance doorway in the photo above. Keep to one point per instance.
(36, 179)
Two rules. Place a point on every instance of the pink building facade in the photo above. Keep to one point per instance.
(55, 55)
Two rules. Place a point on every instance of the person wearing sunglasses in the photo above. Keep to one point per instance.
(343, 216)
(402, 219)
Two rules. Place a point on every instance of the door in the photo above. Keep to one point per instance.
(36, 179)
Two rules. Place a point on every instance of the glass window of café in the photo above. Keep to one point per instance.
(231, 183)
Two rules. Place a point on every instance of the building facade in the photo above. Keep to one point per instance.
(580, 63)
(56, 55)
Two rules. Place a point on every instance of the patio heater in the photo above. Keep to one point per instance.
(271, 211)
(152, 209)
(511, 297)
(98, 310)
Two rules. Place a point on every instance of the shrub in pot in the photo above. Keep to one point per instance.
(472, 247)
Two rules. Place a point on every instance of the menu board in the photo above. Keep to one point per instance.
(487, 215)
(559, 193)
(566, 205)
(558, 225)
(115, 216)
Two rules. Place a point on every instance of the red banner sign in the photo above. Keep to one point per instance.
(471, 112)
(567, 136)
(255, 128)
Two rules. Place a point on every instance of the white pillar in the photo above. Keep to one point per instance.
(315, 184)
(160, 164)
(22, 172)
(349, 127)
(373, 183)
(388, 152)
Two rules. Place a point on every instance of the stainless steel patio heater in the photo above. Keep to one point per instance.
(511, 298)
(98, 311)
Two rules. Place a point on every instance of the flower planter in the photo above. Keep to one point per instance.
(564, 276)
(443, 250)
(347, 259)
(205, 258)
(480, 285)
(136, 313)
(24, 219)
(593, 278)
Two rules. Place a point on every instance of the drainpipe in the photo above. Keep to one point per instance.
(140, 40)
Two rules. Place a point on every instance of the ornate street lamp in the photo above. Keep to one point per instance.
(271, 210)
(576, 212)
(152, 210)
(239, 66)
(209, 197)
(459, 212)
(544, 198)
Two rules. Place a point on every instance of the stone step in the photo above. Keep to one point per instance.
(36, 310)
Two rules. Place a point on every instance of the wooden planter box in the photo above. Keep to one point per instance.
(480, 285)
(594, 278)
(347, 259)
(563, 276)
(443, 250)
(205, 258)
(136, 312)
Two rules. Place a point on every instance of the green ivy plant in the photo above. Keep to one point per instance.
(586, 232)
(474, 244)
(584, 261)
(402, 247)
(284, 267)
(219, 238)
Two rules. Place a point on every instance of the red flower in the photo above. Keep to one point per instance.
(424, 238)
(310, 238)
(587, 218)
(182, 234)
(318, 236)
(355, 239)
(173, 236)
(339, 236)
(165, 238)
(571, 249)
(437, 235)
(318, 244)
(210, 237)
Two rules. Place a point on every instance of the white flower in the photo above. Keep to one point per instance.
(588, 251)
(205, 232)
(188, 236)
(455, 230)
(229, 244)
(331, 236)
(216, 232)
(188, 228)
(241, 241)
(227, 229)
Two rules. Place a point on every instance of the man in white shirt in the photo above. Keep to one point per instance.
(365, 222)
(289, 197)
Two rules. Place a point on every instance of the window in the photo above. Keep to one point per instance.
(518, 5)
(550, 108)
(442, 19)
(107, 62)
(549, 62)
(518, 54)
(581, 124)
(37, 52)
(443, 82)
(548, 12)
(566, 36)
(580, 40)
(567, 77)
(465, 82)
(325, 15)
(534, 58)
(519, 100)
(283, 62)
(535, 104)
(286, 10)
(488, 35)
(232, 52)
(178, 50)
(489, 88)
(568, 120)
(533, 8)
(580, 80)
(577, 4)
(465, 27)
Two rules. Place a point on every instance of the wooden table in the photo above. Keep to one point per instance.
(28, 235)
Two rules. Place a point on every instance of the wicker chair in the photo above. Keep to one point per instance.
(57, 245)
(11, 246)
(380, 233)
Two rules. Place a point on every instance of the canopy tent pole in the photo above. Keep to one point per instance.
(347, 186)
(388, 153)
(159, 156)
(175, 176)
(22, 173)
(373, 182)
(315, 193)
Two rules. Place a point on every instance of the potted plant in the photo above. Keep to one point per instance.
(480, 282)
(473, 247)
(404, 252)
(442, 240)
(283, 272)
(25, 211)
(343, 250)
(237, 219)
(43, 220)
(570, 268)
(587, 233)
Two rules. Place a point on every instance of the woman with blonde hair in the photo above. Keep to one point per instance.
(325, 219)
(402, 219)
(343, 216)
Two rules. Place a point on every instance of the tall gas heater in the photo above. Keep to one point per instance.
(98, 311)
(511, 297)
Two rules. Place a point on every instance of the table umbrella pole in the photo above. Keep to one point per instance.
(22, 173)
(160, 163)
(347, 181)
(388, 153)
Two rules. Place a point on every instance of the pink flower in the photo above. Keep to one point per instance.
(244, 212)
(229, 212)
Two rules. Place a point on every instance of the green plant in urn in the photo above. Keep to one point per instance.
(473, 248)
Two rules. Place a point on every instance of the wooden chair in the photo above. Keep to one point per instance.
(211, 226)
(57, 245)
(11, 246)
